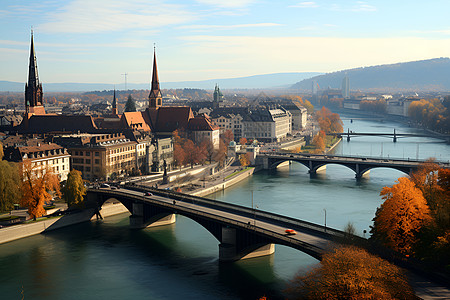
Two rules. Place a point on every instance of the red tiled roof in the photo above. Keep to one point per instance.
(170, 118)
(201, 123)
(135, 120)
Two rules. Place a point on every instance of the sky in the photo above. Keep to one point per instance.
(97, 41)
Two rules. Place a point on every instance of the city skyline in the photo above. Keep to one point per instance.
(81, 41)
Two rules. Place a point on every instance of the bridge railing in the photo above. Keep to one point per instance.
(331, 156)
(279, 237)
(258, 215)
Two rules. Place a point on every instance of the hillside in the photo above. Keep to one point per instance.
(250, 82)
(424, 75)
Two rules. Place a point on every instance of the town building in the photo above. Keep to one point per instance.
(40, 157)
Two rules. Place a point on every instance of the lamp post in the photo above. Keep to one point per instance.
(325, 210)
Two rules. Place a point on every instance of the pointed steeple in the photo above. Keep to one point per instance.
(114, 104)
(155, 97)
(33, 89)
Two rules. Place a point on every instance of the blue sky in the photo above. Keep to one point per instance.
(95, 41)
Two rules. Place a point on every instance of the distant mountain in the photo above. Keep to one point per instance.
(251, 82)
(265, 81)
(423, 75)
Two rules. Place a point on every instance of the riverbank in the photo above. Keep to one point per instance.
(15, 232)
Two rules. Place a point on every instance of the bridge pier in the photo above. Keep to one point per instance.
(228, 251)
(137, 220)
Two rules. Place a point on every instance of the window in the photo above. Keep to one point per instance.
(76, 152)
(97, 153)
(88, 153)
(88, 161)
(88, 169)
(97, 161)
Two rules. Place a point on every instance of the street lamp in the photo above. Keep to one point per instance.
(325, 210)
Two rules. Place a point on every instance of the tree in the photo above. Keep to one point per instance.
(227, 137)
(319, 142)
(1, 151)
(74, 190)
(130, 105)
(36, 187)
(351, 273)
(221, 154)
(208, 149)
(192, 153)
(329, 122)
(9, 185)
(179, 156)
(400, 218)
(244, 160)
(242, 141)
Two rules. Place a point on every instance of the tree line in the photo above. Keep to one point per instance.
(33, 187)
(431, 114)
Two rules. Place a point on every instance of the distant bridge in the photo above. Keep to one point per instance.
(242, 232)
(394, 136)
(360, 165)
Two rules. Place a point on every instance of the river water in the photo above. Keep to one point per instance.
(107, 260)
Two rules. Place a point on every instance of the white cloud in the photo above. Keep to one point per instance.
(225, 27)
(227, 3)
(359, 6)
(87, 16)
(306, 4)
(363, 6)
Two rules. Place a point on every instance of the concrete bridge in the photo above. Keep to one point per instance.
(394, 136)
(242, 232)
(360, 165)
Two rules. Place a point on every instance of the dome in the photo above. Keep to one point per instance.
(233, 144)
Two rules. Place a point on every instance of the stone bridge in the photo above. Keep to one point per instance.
(360, 165)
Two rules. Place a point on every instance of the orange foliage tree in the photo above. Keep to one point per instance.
(431, 114)
(351, 273)
(244, 159)
(37, 184)
(402, 215)
(242, 141)
(319, 142)
(329, 122)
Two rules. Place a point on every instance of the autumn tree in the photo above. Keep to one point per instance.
(221, 153)
(319, 142)
(351, 273)
(1, 151)
(179, 156)
(242, 141)
(329, 122)
(192, 153)
(244, 159)
(9, 185)
(37, 184)
(227, 137)
(208, 149)
(74, 190)
(400, 218)
(130, 105)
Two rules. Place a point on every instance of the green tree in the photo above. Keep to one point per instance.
(74, 190)
(130, 105)
(9, 185)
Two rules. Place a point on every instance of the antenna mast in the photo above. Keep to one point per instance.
(125, 75)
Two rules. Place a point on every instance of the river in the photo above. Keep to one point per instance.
(107, 260)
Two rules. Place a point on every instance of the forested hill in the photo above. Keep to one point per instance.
(423, 75)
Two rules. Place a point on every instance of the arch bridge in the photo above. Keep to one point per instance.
(360, 165)
(242, 232)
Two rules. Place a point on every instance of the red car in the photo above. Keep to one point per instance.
(290, 232)
(148, 194)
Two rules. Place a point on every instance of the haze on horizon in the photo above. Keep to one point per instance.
(98, 41)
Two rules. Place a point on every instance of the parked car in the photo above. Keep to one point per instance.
(105, 185)
(148, 194)
(113, 187)
(290, 232)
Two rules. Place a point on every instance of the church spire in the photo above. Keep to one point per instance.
(114, 104)
(155, 97)
(33, 89)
